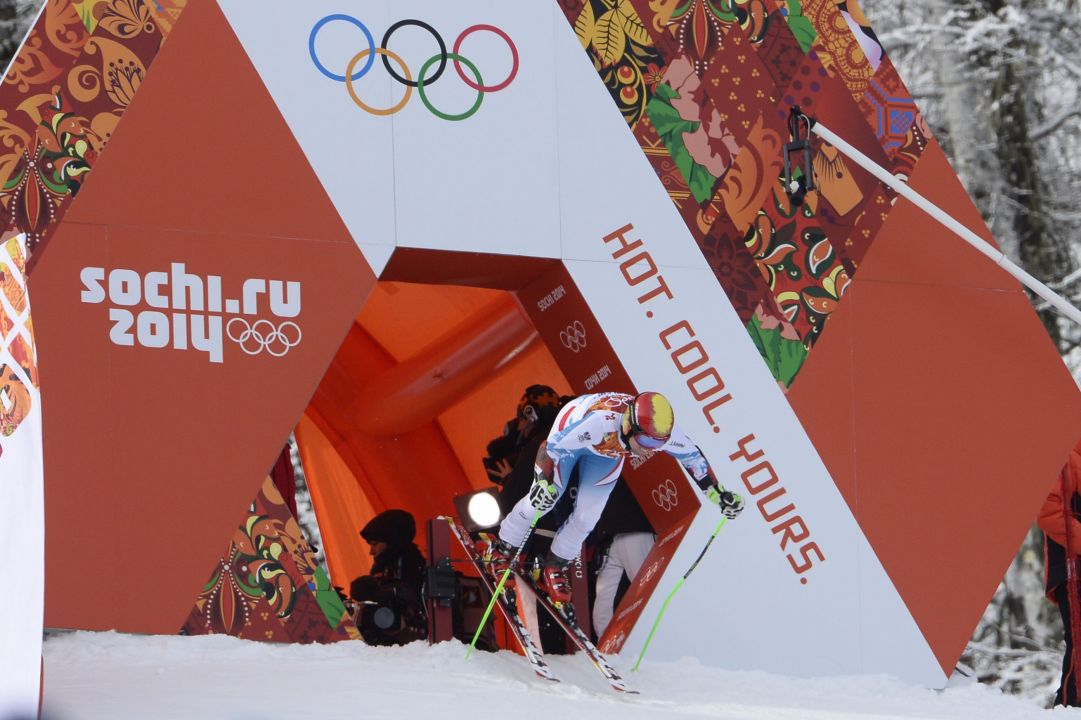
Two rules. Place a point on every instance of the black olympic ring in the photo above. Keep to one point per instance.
(352, 74)
(263, 335)
(438, 39)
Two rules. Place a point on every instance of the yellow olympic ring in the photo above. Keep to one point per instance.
(353, 93)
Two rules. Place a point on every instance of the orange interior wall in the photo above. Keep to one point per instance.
(338, 500)
(425, 378)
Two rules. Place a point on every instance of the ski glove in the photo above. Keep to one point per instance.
(730, 503)
(543, 495)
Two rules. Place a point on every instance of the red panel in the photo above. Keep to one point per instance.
(483, 270)
(931, 338)
(987, 366)
(913, 247)
(579, 346)
(152, 453)
(943, 519)
(822, 398)
(205, 148)
(642, 589)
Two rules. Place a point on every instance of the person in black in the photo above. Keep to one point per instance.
(390, 599)
(510, 463)
(517, 449)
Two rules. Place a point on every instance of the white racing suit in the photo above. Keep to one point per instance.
(586, 435)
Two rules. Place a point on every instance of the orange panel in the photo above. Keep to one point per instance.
(913, 247)
(152, 453)
(416, 471)
(479, 417)
(958, 526)
(205, 148)
(404, 317)
(822, 398)
(942, 520)
(417, 389)
(931, 336)
(341, 507)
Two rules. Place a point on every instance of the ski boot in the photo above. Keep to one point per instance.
(554, 581)
(497, 557)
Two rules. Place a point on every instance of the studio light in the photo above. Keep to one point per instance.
(484, 509)
(479, 510)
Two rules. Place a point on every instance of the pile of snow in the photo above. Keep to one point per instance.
(124, 677)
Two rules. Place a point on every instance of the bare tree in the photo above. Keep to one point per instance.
(15, 19)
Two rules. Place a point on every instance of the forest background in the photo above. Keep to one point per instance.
(999, 83)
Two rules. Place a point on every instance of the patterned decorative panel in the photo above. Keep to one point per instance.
(267, 585)
(63, 97)
(710, 110)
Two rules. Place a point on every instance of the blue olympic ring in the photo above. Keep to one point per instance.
(367, 35)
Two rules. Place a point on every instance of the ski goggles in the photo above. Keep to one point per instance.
(648, 441)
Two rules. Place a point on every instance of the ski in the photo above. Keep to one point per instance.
(564, 616)
(508, 604)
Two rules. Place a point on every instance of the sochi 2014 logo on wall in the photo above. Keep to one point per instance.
(429, 73)
(184, 311)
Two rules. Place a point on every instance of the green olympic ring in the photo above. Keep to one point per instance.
(432, 108)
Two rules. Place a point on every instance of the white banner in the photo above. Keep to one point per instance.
(22, 508)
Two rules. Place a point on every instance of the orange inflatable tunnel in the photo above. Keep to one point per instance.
(426, 376)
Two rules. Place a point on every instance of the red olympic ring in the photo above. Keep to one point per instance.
(513, 51)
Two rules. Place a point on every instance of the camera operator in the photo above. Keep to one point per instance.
(390, 604)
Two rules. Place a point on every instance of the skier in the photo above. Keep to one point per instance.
(596, 433)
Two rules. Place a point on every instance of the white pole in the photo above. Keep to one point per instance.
(903, 189)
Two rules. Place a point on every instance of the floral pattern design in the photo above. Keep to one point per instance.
(701, 145)
(622, 53)
(68, 86)
(798, 263)
(267, 585)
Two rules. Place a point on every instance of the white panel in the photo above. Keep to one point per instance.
(745, 607)
(22, 512)
(486, 183)
(351, 152)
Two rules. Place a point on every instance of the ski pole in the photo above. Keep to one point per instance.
(502, 582)
(664, 605)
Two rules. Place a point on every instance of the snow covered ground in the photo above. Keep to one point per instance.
(90, 676)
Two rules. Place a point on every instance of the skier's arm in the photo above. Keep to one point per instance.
(690, 456)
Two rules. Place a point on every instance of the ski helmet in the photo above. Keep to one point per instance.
(649, 420)
(539, 402)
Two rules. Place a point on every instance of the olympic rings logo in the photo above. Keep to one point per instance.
(574, 337)
(665, 495)
(423, 79)
(254, 338)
